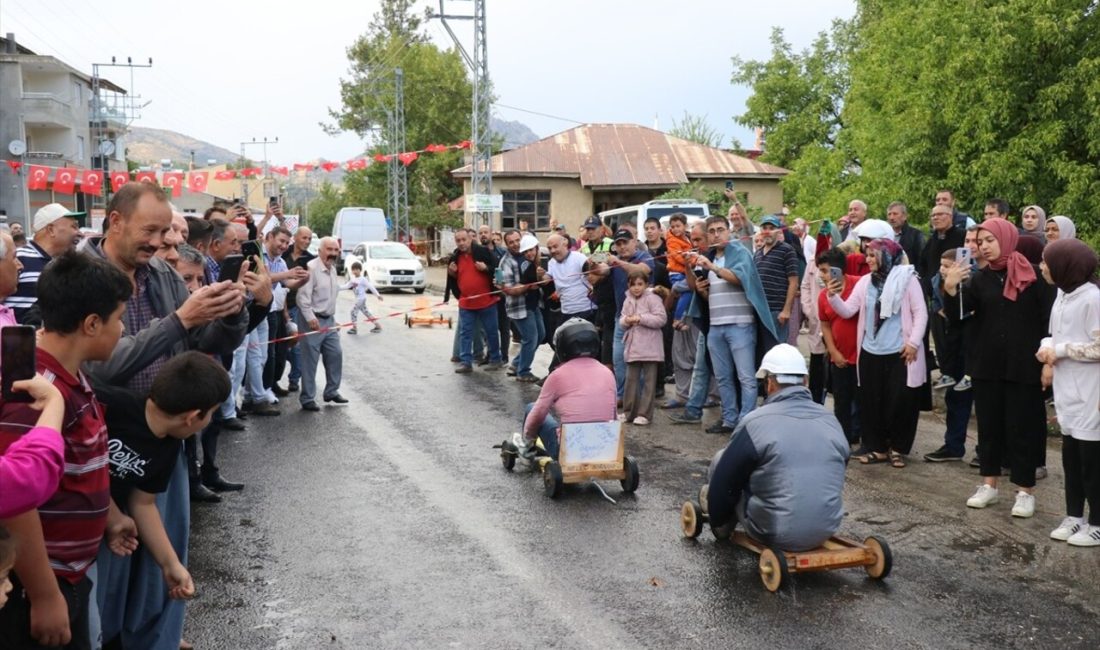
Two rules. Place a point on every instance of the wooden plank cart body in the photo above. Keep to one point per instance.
(873, 554)
(422, 315)
(587, 451)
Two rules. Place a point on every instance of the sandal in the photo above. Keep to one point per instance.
(897, 460)
(873, 458)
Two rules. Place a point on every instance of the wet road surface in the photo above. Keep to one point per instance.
(390, 523)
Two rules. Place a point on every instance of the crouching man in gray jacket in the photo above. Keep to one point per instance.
(782, 474)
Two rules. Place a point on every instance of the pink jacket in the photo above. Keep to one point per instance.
(30, 471)
(914, 321)
(644, 341)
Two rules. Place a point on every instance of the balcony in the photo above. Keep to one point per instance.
(48, 109)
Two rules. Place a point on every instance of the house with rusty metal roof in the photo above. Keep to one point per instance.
(595, 167)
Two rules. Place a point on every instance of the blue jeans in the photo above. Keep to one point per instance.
(618, 358)
(255, 358)
(293, 355)
(531, 330)
(320, 347)
(488, 319)
(479, 340)
(959, 405)
(700, 381)
(733, 350)
(548, 432)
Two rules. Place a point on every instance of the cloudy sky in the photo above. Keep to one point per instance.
(227, 72)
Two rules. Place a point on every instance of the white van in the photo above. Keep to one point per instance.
(354, 225)
(660, 208)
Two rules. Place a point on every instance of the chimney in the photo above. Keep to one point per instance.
(759, 145)
(9, 45)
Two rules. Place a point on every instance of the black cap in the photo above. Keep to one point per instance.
(592, 222)
(624, 234)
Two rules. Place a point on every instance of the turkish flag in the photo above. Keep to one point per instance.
(436, 148)
(225, 175)
(15, 165)
(248, 172)
(64, 180)
(281, 171)
(303, 167)
(196, 181)
(382, 158)
(329, 166)
(465, 144)
(91, 182)
(37, 177)
(408, 158)
(118, 179)
(146, 177)
(358, 163)
(174, 182)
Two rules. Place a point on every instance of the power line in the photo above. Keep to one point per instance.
(540, 114)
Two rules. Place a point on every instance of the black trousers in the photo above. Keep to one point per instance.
(817, 377)
(15, 617)
(888, 408)
(504, 328)
(1011, 428)
(1081, 462)
(843, 387)
(276, 352)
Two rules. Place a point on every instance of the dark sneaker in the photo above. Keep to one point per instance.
(311, 406)
(233, 424)
(464, 369)
(975, 462)
(944, 382)
(719, 429)
(292, 387)
(266, 410)
(680, 418)
(527, 379)
(942, 455)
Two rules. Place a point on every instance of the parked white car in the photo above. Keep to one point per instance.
(389, 265)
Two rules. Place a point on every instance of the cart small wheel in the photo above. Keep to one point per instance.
(691, 519)
(508, 453)
(773, 569)
(450, 323)
(884, 559)
(703, 491)
(552, 479)
(630, 483)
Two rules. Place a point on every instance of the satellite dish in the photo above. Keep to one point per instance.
(17, 147)
(106, 147)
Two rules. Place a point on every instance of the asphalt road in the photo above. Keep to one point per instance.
(390, 523)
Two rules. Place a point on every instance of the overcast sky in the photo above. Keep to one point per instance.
(226, 72)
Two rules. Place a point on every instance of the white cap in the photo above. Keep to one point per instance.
(875, 229)
(51, 213)
(783, 359)
(527, 243)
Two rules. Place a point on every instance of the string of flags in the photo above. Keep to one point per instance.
(66, 180)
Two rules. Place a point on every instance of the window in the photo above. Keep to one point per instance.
(532, 206)
(80, 148)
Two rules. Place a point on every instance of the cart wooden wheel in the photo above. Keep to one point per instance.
(884, 560)
(691, 519)
(630, 482)
(552, 479)
(508, 453)
(703, 491)
(773, 569)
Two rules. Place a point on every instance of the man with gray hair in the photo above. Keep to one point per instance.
(790, 435)
(857, 214)
(10, 266)
(316, 308)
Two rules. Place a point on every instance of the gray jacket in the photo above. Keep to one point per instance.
(782, 473)
(166, 334)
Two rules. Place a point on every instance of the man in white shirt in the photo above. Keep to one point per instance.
(316, 310)
(568, 270)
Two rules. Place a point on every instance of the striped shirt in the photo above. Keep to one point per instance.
(34, 259)
(138, 316)
(74, 518)
(775, 267)
(728, 303)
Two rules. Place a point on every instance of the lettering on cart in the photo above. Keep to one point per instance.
(591, 442)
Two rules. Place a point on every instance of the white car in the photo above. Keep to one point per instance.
(389, 265)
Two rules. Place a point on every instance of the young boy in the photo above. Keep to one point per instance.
(951, 365)
(145, 438)
(361, 285)
(677, 243)
(81, 300)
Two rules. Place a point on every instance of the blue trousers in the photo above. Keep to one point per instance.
(733, 351)
(700, 381)
(488, 319)
(548, 432)
(531, 330)
(618, 358)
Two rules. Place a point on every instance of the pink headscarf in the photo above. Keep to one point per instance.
(1020, 272)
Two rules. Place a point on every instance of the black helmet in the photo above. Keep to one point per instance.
(577, 338)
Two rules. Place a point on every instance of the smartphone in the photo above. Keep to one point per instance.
(836, 274)
(274, 200)
(17, 360)
(251, 251)
(729, 185)
(231, 268)
(962, 256)
(700, 274)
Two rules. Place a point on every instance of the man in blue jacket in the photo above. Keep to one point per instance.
(782, 474)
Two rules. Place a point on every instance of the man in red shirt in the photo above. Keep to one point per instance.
(473, 269)
(840, 341)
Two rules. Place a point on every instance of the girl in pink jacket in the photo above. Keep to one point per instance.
(643, 316)
(30, 469)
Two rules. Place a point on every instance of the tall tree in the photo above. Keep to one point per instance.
(696, 128)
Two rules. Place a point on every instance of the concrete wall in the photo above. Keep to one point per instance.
(569, 202)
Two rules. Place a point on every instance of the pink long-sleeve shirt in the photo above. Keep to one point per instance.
(30, 470)
(580, 390)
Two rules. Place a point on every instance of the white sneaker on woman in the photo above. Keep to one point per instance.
(1087, 536)
(986, 495)
(1024, 506)
(1067, 528)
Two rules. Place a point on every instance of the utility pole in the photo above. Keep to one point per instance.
(100, 134)
(398, 174)
(244, 179)
(481, 177)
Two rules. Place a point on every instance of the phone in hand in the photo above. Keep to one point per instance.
(962, 256)
(17, 360)
(250, 250)
(836, 274)
(729, 185)
(274, 200)
(700, 273)
(230, 268)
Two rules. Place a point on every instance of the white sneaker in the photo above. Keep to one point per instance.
(985, 496)
(1087, 536)
(1024, 506)
(641, 420)
(622, 417)
(1067, 528)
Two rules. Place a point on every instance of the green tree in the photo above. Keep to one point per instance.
(323, 208)
(696, 128)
